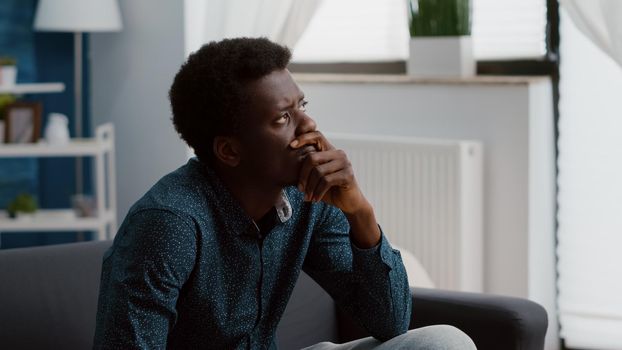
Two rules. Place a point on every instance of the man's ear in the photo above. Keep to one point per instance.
(227, 150)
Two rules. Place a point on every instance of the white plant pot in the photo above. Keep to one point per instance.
(8, 75)
(448, 56)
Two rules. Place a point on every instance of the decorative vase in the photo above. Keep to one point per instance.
(441, 56)
(57, 130)
(8, 75)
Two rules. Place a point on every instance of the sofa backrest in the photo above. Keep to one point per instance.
(48, 296)
(48, 299)
(310, 317)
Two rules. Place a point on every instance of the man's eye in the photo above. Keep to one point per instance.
(283, 119)
(303, 105)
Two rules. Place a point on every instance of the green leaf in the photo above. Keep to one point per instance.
(23, 203)
(439, 17)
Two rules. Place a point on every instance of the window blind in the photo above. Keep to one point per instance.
(508, 29)
(372, 30)
(355, 31)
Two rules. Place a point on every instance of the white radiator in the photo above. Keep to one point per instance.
(427, 195)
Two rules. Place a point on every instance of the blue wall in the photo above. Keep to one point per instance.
(42, 57)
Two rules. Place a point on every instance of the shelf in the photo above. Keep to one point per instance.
(314, 78)
(46, 220)
(76, 147)
(100, 147)
(34, 88)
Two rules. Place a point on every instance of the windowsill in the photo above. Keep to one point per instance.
(406, 79)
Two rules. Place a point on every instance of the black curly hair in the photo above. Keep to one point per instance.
(208, 93)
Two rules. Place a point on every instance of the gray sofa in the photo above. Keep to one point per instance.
(48, 300)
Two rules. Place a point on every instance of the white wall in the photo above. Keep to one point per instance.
(131, 72)
(498, 115)
(590, 169)
(513, 119)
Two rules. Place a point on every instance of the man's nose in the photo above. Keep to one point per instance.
(305, 124)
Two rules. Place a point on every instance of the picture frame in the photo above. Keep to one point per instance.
(22, 122)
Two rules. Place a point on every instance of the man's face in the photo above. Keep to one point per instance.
(276, 117)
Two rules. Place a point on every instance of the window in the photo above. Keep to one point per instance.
(376, 31)
(355, 31)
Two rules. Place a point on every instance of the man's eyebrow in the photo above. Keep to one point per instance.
(286, 102)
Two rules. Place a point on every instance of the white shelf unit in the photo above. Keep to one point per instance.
(101, 148)
(32, 88)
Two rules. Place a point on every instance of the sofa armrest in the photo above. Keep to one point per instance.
(493, 322)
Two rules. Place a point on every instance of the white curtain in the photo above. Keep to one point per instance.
(590, 173)
(601, 21)
(282, 21)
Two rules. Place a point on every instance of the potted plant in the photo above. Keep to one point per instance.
(8, 71)
(440, 38)
(23, 203)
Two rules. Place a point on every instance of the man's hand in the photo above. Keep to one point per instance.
(326, 174)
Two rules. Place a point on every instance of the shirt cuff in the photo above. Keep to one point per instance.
(380, 256)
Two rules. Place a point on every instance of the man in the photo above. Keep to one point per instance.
(209, 256)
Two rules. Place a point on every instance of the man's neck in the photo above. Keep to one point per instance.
(256, 199)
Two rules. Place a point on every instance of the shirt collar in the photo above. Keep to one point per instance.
(283, 208)
(230, 209)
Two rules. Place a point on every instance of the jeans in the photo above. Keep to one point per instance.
(438, 337)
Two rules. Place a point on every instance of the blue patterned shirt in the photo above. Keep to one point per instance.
(190, 269)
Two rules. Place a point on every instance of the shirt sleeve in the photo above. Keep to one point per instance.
(370, 284)
(151, 259)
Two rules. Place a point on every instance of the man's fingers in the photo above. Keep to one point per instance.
(329, 181)
(312, 138)
(318, 174)
(312, 160)
(317, 166)
(324, 184)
